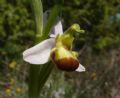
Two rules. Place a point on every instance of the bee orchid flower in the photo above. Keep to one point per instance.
(58, 49)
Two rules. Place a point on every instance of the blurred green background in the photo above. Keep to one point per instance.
(98, 47)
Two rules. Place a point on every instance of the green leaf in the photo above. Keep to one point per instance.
(44, 74)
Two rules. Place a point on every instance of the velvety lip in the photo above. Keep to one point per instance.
(66, 64)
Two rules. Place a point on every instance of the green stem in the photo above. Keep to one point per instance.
(34, 70)
(38, 14)
(33, 81)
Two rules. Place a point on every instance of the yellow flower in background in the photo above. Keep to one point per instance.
(18, 90)
(8, 91)
(94, 76)
(12, 65)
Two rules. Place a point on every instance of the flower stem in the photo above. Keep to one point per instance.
(33, 91)
(38, 14)
(33, 82)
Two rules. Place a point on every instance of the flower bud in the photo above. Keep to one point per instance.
(64, 59)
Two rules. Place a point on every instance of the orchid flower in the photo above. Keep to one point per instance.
(58, 49)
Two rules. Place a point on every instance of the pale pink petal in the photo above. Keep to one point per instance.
(40, 53)
(81, 68)
(57, 29)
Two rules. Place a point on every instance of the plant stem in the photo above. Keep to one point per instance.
(33, 91)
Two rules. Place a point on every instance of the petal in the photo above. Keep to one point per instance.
(57, 29)
(81, 68)
(40, 53)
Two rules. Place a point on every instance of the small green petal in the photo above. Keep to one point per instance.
(65, 40)
(75, 28)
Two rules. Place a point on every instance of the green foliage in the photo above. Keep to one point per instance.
(16, 29)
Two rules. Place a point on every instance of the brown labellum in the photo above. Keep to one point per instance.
(66, 64)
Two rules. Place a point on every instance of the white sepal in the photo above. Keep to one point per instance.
(57, 29)
(81, 68)
(40, 53)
